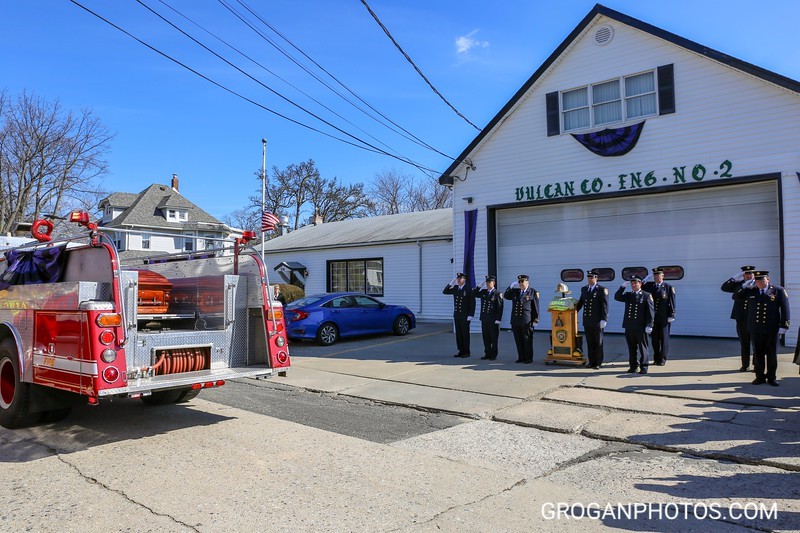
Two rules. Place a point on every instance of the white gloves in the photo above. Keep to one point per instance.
(670, 319)
(749, 284)
(739, 276)
(482, 285)
(496, 321)
(647, 278)
(782, 331)
(453, 281)
(648, 329)
(469, 319)
(625, 284)
(514, 285)
(603, 324)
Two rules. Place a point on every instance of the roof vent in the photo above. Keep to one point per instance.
(603, 35)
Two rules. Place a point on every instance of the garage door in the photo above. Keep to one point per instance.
(710, 232)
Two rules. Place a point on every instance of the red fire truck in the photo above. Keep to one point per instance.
(77, 324)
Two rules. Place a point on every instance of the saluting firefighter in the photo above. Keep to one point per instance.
(524, 316)
(739, 312)
(463, 310)
(594, 301)
(637, 321)
(491, 315)
(664, 305)
(767, 317)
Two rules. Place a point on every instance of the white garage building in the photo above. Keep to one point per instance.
(631, 148)
(403, 259)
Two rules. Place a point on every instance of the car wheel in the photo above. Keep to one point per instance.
(327, 334)
(14, 394)
(401, 325)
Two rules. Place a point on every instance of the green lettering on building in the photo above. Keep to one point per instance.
(636, 180)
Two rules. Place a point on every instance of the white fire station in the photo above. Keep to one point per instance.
(632, 148)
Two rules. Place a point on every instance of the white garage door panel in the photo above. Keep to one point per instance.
(709, 232)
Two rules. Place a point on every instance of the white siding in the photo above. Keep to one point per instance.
(404, 265)
(721, 114)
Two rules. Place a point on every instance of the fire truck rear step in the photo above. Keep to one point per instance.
(175, 381)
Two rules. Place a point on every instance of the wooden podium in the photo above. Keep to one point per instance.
(565, 340)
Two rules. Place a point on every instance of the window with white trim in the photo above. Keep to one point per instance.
(609, 102)
(145, 241)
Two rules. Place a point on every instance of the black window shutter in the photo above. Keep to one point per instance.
(666, 90)
(553, 126)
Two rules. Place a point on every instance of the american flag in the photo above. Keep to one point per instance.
(269, 221)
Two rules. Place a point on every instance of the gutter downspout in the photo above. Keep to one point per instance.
(419, 248)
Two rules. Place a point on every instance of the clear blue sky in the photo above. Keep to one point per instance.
(168, 120)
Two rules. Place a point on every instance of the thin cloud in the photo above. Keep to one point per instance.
(467, 42)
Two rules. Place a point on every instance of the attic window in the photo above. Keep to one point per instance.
(176, 215)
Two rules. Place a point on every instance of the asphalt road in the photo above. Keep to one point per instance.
(345, 415)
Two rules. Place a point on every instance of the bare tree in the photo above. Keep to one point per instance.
(332, 200)
(48, 158)
(299, 192)
(247, 219)
(393, 192)
(430, 195)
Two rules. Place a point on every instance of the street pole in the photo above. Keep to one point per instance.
(263, 192)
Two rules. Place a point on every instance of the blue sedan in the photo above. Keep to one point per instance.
(326, 317)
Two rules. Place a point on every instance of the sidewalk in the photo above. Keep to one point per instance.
(697, 403)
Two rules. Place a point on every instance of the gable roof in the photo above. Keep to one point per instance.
(601, 10)
(146, 210)
(436, 224)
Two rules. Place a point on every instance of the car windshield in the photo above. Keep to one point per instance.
(308, 300)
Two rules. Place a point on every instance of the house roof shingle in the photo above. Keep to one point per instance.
(387, 229)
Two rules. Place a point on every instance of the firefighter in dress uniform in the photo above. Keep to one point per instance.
(491, 315)
(594, 301)
(739, 312)
(767, 317)
(637, 321)
(463, 310)
(524, 316)
(664, 305)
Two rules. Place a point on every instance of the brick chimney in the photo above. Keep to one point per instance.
(175, 183)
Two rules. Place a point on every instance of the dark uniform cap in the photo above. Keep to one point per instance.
(522, 277)
(658, 271)
(761, 274)
(592, 273)
(636, 278)
(750, 269)
(461, 275)
(491, 278)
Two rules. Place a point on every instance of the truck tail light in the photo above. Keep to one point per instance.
(110, 374)
(282, 357)
(107, 336)
(108, 355)
(109, 320)
(299, 315)
(275, 313)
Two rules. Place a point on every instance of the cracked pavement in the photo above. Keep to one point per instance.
(693, 436)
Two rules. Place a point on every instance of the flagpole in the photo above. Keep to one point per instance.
(263, 193)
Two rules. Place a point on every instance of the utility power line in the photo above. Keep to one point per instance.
(364, 145)
(408, 58)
